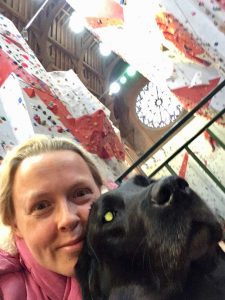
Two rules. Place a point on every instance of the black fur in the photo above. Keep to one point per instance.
(162, 244)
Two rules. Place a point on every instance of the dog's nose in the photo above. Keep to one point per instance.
(164, 188)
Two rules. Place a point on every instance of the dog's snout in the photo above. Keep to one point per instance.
(180, 183)
(163, 190)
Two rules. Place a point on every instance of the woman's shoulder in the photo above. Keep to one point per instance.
(9, 262)
(9, 259)
(12, 284)
(11, 270)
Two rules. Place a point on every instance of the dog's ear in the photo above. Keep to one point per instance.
(141, 180)
(81, 271)
(87, 273)
(204, 245)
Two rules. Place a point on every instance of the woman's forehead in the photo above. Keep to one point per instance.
(60, 163)
(53, 158)
(51, 172)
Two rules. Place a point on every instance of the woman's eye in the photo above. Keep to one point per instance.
(81, 192)
(41, 206)
(82, 195)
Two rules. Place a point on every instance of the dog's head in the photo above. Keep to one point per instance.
(149, 232)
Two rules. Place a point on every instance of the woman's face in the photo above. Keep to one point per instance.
(52, 195)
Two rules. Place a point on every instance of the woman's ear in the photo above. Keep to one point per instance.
(6, 239)
(15, 230)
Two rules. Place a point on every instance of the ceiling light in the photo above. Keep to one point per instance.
(104, 49)
(130, 71)
(114, 88)
(123, 79)
(76, 23)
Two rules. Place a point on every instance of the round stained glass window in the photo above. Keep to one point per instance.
(157, 108)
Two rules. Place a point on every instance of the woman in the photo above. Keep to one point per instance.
(46, 189)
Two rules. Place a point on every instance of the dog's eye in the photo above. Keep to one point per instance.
(109, 216)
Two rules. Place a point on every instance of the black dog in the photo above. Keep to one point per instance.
(154, 240)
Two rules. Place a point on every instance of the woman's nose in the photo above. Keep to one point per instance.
(68, 218)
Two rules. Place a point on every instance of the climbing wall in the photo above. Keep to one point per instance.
(180, 48)
(35, 101)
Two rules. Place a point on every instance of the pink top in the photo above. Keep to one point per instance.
(21, 277)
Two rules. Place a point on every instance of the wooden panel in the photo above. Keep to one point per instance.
(64, 47)
(23, 8)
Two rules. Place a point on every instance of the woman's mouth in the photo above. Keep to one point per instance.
(72, 246)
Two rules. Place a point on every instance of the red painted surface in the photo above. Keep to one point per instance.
(93, 131)
(221, 3)
(8, 66)
(97, 135)
(183, 169)
(189, 97)
(175, 32)
(105, 13)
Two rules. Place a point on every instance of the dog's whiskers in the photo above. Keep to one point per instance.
(136, 252)
(162, 264)
(143, 256)
(161, 258)
(148, 260)
(93, 251)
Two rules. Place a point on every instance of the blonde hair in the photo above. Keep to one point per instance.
(36, 145)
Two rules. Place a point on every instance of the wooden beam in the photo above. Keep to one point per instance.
(86, 65)
(44, 40)
(58, 45)
(13, 12)
(44, 31)
(46, 23)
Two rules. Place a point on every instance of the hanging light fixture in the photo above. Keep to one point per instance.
(76, 23)
(123, 79)
(130, 71)
(114, 88)
(104, 49)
